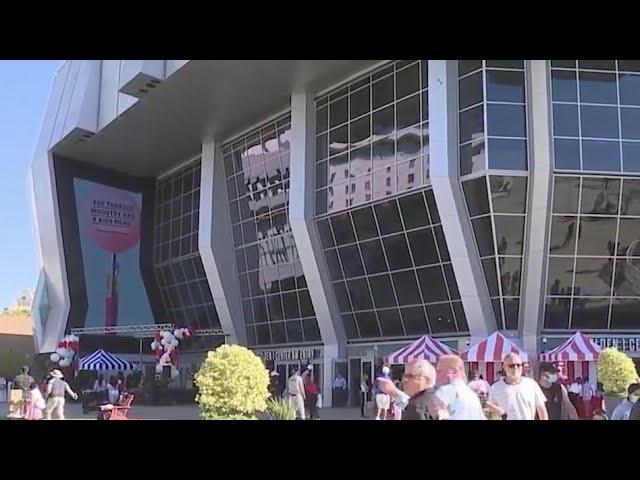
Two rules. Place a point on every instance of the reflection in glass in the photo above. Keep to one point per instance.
(505, 86)
(491, 276)
(475, 192)
(598, 87)
(390, 322)
(599, 122)
(397, 251)
(566, 154)
(483, 232)
(441, 317)
(510, 275)
(565, 194)
(629, 237)
(593, 276)
(556, 313)
(589, 313)
(601, 155)
(560, 276)
(472, 157)
(624, 313)
(508, 194)
(509, 234)
(627, 277)
(472, 124)
(507, 154)
(600, 196)
(564, 86)
(415, 320)
(630, 197)
(506, 120)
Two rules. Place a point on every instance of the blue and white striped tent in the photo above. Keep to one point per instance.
(101, 360)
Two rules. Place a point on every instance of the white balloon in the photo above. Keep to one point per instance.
(55, 358)
(64, 362)
(165, 359)
(154, 345)
(175, 343)
(165, 333)
(178, 333)
(61, 351)
(186, 332)
(158, 368)
(75, 338)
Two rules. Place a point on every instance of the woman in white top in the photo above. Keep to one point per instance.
(113, 393)
(99, 385)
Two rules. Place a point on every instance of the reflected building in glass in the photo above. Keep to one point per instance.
(327, 213)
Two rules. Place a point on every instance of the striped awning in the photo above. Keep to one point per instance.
(493, 349)
(101, 360)
(425, 348)
(577, 348)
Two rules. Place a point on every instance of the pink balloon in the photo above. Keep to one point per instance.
(111, 218)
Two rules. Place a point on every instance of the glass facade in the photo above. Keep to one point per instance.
(388, 261)
(276, 303)
(178, 268)
(372, 137)
(492, 138)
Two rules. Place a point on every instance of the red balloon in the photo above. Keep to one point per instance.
(158, 336)
(60, 344)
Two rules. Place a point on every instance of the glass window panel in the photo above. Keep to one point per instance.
(565, 120)
(564, 86)
(373, 256)
(472, 157)
(630, 197)
(560, 276)
(510, 271)
(321, 175)
(294, 331)
(629, 237)
(472, 124)
(397, 252)
(468, 66)
(593, 276)
(290, 305)
(597, 64)
(566, 154)
(631, 156)
(322, 119)
(454, 293)
(384, 152)
(497, 310)
(629, 89)
(511, 306)
(259, 309)
(415, 321)
(306, 305)
(505, 63)
(461, 318)
(274, 304)
(326, 237)
(423, 247)
(508, 194)
(475, 192)
(342, 229)
(600, 155)
(365, 223)
(627, 277)
(408, 143)
(483, 231)
(263, 334)
(339, 140)
(311, 330)
(382, 291)
(349, 322)
(590, 313)
(359, 293)
(360, 102)
(368, 324)
(505, 86)
(338, 112)
(322, 147)
(598, 87)
(600, 196)
(431, 204)
(278, 332)
(382, 92)
(630, 120)
(624, 314)
(491, 276)
(388, 217)
(599, 122)
(509, 234)
(556, 315)
(407, 288)
(629, 65)
(441, 318)
(351, 262)
(390, 323)
(344, 304)
(471, 90)
(563, 235)
(565, 194)
(414, 211)
(507, 154)
(432, 284)
(408, 81)
(506, 121)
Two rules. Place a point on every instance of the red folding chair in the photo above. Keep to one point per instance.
(118, 412)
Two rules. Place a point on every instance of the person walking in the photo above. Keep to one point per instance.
(312, 394)
(365, 387)
(555, 393)
(460, 401)
(295, 386)
(56, 389)
(36, 403)
(383, 401)
(520, 398)
(623, 410)
(23, 382)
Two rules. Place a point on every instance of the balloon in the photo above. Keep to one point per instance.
(158, 368)
(166, 334)
(158, 336)
(61, 351)
(65, 363)
(55, 358)
(178, 334)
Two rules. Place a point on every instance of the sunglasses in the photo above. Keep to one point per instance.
(412, 376)
(514, 365)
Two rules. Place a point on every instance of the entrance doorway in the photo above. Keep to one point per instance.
(358, 367)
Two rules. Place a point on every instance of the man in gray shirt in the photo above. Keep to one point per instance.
(56, 389)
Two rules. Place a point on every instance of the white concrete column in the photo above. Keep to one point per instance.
(305, 232)
(540, 178)
(443, 168)
(215, 243)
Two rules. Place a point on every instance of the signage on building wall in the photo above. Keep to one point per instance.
(290, 354)
(624, 344)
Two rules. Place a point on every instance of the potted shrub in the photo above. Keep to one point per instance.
(232, 384)
(616, 372)
(278, 409)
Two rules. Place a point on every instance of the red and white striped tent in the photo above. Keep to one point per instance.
(486, 356)
(579, 354)
(425, 348)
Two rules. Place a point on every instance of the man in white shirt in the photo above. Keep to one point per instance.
(520, 398)
(461, 402)
(340, 391)
(295, 385)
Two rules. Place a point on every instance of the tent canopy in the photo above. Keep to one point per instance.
(577, 348)
(425, 348)
(102, 360)
(493, 349)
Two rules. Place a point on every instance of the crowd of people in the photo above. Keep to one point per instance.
(442, 392)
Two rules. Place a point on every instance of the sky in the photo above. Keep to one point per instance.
(24, 93)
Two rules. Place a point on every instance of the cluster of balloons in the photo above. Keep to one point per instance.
(67, 349)
(165, 347)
